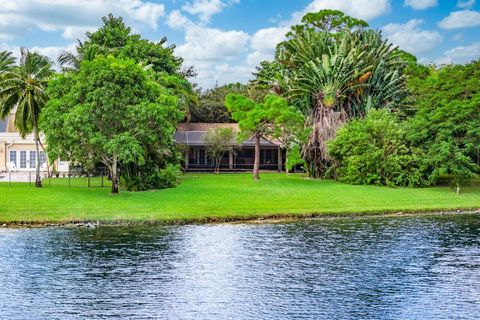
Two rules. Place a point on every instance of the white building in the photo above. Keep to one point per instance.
(18, 154)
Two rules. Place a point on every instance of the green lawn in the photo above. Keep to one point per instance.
(203, 197)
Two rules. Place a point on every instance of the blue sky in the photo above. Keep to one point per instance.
(226, 39)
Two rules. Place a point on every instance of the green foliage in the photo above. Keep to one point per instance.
(110, 111)
(294, 157)
(374, 150)
(211, 107)
(181, 88)
(272, 119)
(152, 178)
(142, 163)
(71, 61)
(115, 38)
(330, 21)
(446, 124)
(23, 88)
(332, 68)
(6, 61)
(218, 142)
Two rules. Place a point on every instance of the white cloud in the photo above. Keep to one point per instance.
(176, 20)
(206, 8)
(72, 17)
(264, 42)
(51, 52)
(213, 52)
(361, 9)
(221, 45)
(462, 54)
(220, 55)
(411, 38)
(77, 32)
(465, 4)
(421, 4)
(460, 19)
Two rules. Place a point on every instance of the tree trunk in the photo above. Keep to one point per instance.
(45, 152)
(38, 180)
(217, 165)
(256, 163)
(325, 122)
(115, 179)
(286, 163)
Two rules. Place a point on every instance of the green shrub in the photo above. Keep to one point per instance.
(294, 158)
(152, 178)
(169, 177)
(373, 150)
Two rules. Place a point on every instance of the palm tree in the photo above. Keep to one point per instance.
(71, 61)
(6, 61)
(187, 98)
(23, 87)
(332, 79)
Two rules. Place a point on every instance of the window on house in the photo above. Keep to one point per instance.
(23, 159)
(33, 159)
(202, 156)
(13, 157)
(42, 157)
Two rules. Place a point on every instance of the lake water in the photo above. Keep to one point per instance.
(365, 268)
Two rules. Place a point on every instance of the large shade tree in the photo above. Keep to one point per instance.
(117, 39)
(110, 111)
(24, 87)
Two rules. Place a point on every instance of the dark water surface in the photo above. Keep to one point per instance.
(370, 268)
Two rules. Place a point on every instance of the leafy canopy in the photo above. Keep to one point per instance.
(115, 38)
(109, 111)
(446, 123)
(267, 120)
(23, 87)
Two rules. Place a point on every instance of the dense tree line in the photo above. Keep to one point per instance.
(338, 72)
(339, 97)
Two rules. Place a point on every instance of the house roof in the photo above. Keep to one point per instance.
(205, 126)
(193, 134)
(3, 125)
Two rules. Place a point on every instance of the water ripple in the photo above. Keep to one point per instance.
(376, 268)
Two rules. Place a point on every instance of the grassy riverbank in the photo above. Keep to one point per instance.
(208, 197)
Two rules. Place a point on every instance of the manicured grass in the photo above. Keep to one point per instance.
(203, 197)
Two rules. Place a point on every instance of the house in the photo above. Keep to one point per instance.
(192, 135)
(18, 154)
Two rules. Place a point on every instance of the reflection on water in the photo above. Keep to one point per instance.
(376, 268)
